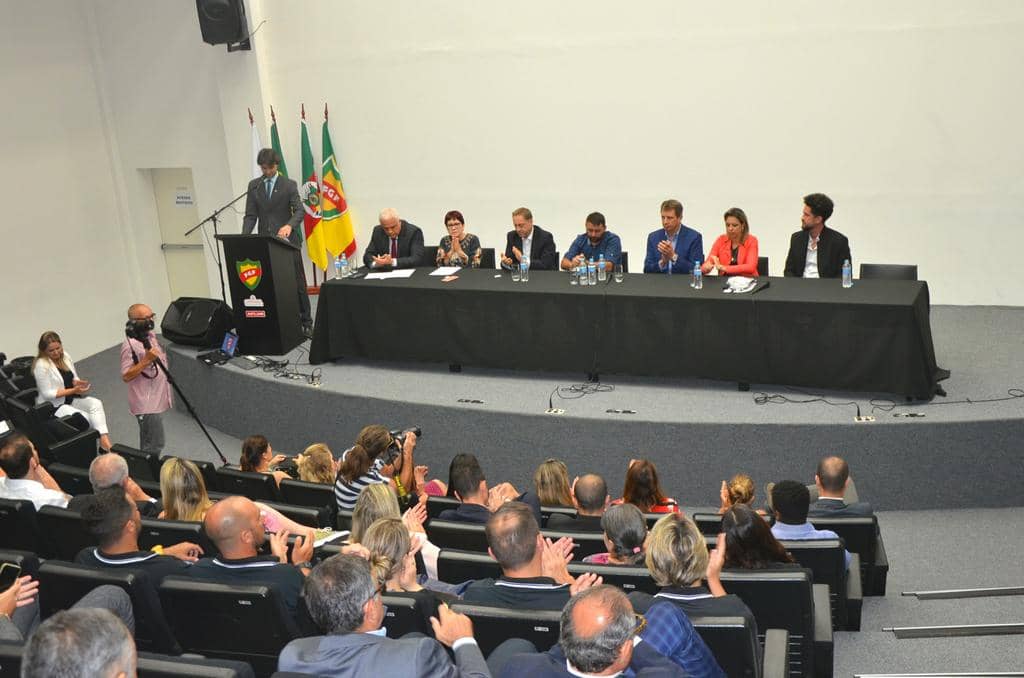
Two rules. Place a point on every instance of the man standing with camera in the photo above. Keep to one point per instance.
(149, 391)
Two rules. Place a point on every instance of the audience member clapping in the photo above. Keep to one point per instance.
(625, 532)
(534, 573)
(551, 481)
(678, 560)
(739, 490)
(643, 490)
(749, 542)
(378, 502)
(467, 483)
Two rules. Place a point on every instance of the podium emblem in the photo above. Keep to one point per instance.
(249, 272)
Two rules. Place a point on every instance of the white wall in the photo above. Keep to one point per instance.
(907, 114)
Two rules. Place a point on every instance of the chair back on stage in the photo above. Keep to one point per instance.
(888, 271)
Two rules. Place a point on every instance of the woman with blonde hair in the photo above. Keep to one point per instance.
(317, 464)
(551, 479)
(393, 564)
(379, 502)
(739, 490)
(678, 559)
(183, 493)
(58, 383)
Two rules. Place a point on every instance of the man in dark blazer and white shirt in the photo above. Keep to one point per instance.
(346, 604)
(541, 248)
(816, 251)
(833, 481)
(395, 243)
(273, 201)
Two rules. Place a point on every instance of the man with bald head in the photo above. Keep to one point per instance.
(395, 243)
(590, 497)
(149, 391)
(235, 527)
(834, 485)
(599, 637)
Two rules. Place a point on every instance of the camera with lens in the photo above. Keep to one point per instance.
(398, 442)
(139, 329)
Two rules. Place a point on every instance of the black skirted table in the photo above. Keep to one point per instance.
(875, 336)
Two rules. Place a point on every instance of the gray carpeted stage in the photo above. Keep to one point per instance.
(698, 432)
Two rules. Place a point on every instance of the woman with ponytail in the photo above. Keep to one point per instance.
(625, 534)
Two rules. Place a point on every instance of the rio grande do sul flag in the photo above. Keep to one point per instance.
(339, 233)
(275, 143)
(256, 146)
(309, 191)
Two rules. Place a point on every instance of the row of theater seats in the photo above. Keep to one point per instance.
(250, 623)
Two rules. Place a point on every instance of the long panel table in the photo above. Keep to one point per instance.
(875, 336)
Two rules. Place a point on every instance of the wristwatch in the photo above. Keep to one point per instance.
(304, 566)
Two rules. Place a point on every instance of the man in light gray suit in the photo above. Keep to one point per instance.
(273, 201)
(346, 604)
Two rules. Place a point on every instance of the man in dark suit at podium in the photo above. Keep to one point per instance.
(394, 243)
(273, 201)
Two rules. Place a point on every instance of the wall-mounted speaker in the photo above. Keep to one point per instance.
(223, 23)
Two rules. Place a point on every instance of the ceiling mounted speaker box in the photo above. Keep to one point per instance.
(223, 23)
(196, 321)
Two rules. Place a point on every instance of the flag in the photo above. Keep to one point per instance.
(256, 146)
(339, 232)
(309, 191)
(275, 143)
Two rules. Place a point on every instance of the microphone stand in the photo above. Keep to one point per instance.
(217, 258)
(188, 405)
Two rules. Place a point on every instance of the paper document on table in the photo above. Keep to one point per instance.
(446, 270)
(396, 273)
(321, 537)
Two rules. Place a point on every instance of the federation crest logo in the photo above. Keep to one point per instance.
(310, 194)
(249, 272)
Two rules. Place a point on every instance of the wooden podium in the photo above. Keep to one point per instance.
(264, 293)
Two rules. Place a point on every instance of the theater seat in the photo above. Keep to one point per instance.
(437, 504)
(733, 642)
(586, 543)
(63, 584)
(788, 599)
(455, 566)
(255, 486)
(311, 516)
(18, 529)
(71, 479)
(626, 577)
(10, 658)
(151, 665)
(546, 511)
(493, 625)
(456, 535)
(56, 439)
(64, 532)
(141, 465)
(826, 559)
(403, 616)
(170, 532)
(245, 623)
(302, 493)
(862, 536)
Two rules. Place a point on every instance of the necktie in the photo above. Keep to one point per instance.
(394, 248)
(266, 182)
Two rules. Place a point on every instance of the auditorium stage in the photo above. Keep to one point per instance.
(698, 432)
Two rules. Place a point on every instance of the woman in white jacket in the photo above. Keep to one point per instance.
(59, 385)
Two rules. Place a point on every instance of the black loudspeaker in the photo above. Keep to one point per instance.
(196, 321)
(223, 22)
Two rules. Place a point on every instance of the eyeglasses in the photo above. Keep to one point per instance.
(378, 592)
(641, 624)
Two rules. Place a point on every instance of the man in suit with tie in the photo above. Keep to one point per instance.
(532, 240)
(273, 201)
(395, 243)
(817, 251)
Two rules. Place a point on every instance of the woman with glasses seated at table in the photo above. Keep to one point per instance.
(735, 251)
(458, 248)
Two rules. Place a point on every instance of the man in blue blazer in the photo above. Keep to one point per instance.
(674, 248)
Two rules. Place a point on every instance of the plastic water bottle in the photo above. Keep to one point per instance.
(340, 266)
(698, 278)
(602, 272)
(574, 275)
(524, 268)
(592, 272)
(693, 274)
(847, 273)
(581, 272)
